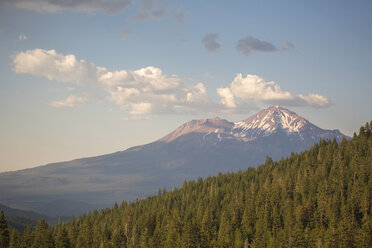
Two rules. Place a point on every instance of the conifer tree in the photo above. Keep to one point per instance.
(62, 239)
(43, 236)
(4, 231)
(14, 239)
(318, 198)
(27, 238)
(85, 238)
(208, 229)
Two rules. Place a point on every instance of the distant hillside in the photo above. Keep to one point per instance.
(8, 211)
(20, 223)
(198, 148)
(19, 219)
(319, 198)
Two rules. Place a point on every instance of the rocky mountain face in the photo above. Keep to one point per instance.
(198, 148)
(274, 132)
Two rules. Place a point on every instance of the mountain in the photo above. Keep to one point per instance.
(198, 148)
(318, 198)
(274, 132)
(273, 120)
(19, 219)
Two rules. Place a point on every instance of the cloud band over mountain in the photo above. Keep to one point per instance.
(149, 91)
(253, 87)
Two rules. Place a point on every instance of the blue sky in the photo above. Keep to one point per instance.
(84, 78)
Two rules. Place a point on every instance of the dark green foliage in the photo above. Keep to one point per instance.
(20, 219)
(20, 223)
(319, 198)
(43, 236)
(4, 231)
(62, 239)
(14, 239)
(27, 238)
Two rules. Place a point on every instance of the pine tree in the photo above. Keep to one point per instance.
(190, 235)
(208, 229)
(319, 198)
(43, 236)
(225, 231)
(62, 239)
(248, 221)
(297, 237)
(4, 231)
(364, 235)
(173, 238)
(118, 238)
(14, 241)
(27, 238)
(85, 238)
(73, 231)
(238, 241)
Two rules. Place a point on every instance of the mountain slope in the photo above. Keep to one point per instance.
(318, 198)
(197, 148)
(265, 123)
(19, 219)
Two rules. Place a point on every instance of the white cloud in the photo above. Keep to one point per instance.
(168, 94)
(143, 91)
(155, 78)
(197, 93)
(136, 118)
(255, 88)
(315, 100)
(55, 66)
(70, 102)
(123, 95)
(227, 97)
(141, 108)
(150, 91)
(22, 37)
(52, 6)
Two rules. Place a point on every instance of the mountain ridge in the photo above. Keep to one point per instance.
(266, 121)
(198, 148)
(310, 199)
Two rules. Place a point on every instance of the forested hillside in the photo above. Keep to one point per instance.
(198, 148)
(319, 198)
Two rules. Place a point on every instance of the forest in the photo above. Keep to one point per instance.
(319, 198)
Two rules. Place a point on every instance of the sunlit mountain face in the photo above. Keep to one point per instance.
(198, 148)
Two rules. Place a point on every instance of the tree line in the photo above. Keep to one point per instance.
(319, 198)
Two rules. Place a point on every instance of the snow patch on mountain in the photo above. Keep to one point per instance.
(268, 121)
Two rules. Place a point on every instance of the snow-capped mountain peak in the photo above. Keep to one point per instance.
(270, 120)
(273, 120)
